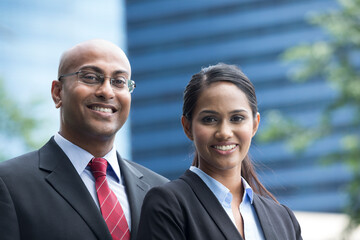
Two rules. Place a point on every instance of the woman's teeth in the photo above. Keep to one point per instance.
(225, 147)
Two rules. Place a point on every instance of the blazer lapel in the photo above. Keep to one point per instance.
(67, 182)
(212, 205)
(264, 218)
(136, 189)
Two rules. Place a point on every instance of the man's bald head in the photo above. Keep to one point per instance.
(75, 56)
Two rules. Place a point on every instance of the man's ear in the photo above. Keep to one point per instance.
(56, 88)
(187, 127)
(256, 123)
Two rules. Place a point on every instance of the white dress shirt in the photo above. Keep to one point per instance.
(80, 159)
(252, 227)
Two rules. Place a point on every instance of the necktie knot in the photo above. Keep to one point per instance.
(98, 167)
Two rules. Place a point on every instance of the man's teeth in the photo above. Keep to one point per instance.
(225, 147)
(101, 109)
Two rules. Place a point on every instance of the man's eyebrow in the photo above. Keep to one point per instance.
(99, 70)
(120, 72)
(95, 68)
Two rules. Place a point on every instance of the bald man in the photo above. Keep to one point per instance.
(56, 191)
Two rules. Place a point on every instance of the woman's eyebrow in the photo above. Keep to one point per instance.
(209, 111)
(239, 111)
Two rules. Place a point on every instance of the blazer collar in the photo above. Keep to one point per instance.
(63, 177)
(264, 218)
(212, 205)
(136, 189)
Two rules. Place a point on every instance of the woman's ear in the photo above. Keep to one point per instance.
(56, 88)
(256, 123)
(187, 127)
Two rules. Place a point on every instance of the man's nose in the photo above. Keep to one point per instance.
(105, 90)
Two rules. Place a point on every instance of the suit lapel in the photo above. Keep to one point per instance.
(212, 205)
(67, 182)
(264, 218)
(136, 189)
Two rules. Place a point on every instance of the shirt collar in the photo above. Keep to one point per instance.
(248, 190)
(80, 157)
(221, 192)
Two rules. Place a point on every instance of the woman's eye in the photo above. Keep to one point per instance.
(237, 118)
(209, 119)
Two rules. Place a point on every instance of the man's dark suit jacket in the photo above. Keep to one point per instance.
(187, 209)
(43, 197)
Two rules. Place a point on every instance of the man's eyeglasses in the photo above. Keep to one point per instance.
(94, 79)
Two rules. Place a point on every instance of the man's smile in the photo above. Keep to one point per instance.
(102, 108)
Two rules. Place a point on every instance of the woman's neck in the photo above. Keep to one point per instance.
(231, 179)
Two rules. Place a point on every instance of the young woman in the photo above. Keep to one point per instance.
(220, 196)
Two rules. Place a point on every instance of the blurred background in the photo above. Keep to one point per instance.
(302, 56)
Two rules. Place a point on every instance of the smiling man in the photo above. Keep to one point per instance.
(77, 186)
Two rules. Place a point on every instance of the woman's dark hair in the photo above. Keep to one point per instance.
(225, 73)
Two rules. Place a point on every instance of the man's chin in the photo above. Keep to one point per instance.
(102, 134)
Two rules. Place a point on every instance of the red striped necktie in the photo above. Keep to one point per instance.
(109, 204)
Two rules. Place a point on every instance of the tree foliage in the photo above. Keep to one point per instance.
(336, 59)
(15, 123)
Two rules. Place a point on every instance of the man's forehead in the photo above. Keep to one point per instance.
(91, 51)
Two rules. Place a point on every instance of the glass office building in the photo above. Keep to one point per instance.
(168, 41)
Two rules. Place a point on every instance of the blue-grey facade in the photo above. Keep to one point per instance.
(168, 41)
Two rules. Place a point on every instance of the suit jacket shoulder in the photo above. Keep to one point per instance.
(179, 210)
(153, 178)
(187, 209)
(43, 197)
(41, 194)
(277, 220)
(138, 181)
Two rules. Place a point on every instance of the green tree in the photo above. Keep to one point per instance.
(15, 125)
(336, 60)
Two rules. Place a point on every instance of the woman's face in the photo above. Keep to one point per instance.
(222, 128)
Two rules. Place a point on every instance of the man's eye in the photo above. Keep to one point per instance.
(119, 82)
(90, 78)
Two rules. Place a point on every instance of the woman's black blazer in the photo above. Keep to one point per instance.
(187, 209)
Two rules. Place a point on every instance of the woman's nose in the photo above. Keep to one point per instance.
(224, 131)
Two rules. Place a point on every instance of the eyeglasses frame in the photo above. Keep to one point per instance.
(130, 83)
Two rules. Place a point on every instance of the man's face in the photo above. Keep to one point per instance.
(94, 112)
